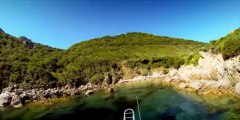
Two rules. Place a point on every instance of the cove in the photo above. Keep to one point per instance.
(156, 102)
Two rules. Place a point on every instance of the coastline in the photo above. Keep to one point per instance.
(193, 79)
(49, 96)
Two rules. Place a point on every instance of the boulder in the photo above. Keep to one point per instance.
(5, 98)
(89, 92)
(16, 101)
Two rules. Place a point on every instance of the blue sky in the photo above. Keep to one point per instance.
(62, 23)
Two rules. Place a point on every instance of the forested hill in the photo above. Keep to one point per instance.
(136, 44)
(31, 64)
(23, 61)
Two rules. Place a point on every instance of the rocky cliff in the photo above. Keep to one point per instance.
(212, 71)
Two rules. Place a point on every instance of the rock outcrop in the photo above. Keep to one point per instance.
(212, 71)
(26, 41)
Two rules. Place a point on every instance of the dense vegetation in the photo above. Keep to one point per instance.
(228, 46)
(31, 64)
(101, 57)
(25, 62)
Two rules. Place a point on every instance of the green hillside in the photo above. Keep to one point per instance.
(34, 65)
(228, 46)
(94, 59)
(22, 61)
(133, 45)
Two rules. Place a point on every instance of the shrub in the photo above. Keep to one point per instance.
(96, 78)
(228, 46)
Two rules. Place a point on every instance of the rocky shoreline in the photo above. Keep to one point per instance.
(212, 75)
(17, 97)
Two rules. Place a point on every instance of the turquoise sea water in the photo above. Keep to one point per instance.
(156, 103)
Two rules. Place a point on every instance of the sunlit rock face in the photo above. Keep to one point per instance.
(232, 69)
(211, 67)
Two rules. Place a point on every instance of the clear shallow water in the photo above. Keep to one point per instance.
(156, 103)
